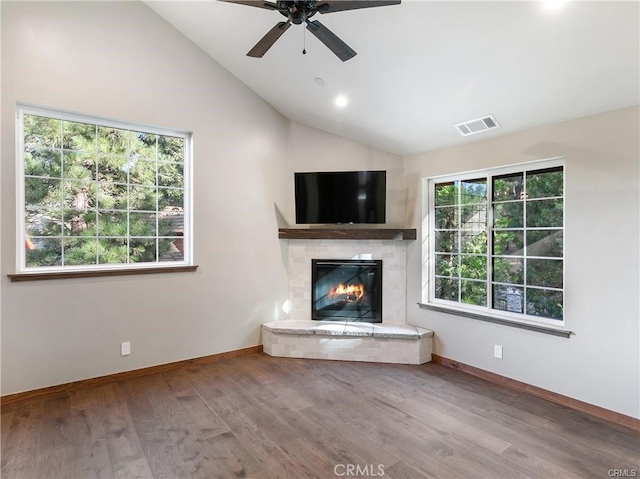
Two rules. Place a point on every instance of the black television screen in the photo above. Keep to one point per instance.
(340, 197)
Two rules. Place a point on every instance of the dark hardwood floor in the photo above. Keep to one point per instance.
(262, 417)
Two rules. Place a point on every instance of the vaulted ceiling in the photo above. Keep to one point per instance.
(424, 66)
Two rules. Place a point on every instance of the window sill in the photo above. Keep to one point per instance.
(98, 273)
(565, 333)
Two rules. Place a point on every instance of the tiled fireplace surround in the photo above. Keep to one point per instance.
(393, 341)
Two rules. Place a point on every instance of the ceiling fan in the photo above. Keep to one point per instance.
(299, 11)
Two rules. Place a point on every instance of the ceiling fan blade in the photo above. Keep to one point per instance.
(340, 5)
(326, 36)
(268, 40)
(252, 3)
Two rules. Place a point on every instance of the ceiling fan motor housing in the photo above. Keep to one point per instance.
(297, 11)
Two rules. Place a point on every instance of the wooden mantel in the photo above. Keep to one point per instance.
(348, 233)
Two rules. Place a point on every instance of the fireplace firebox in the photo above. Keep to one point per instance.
(346, 290)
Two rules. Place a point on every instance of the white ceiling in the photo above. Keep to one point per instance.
(424, 66)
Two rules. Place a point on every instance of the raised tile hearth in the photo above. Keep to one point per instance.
(348, 341)
(391, 341)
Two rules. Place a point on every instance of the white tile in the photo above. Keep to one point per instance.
(330, 328)
(349, 348)
(395, 331)
(358, 329)
(393, 254)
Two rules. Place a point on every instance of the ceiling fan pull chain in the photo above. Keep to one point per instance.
(304, 41)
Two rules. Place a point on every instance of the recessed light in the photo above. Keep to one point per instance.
(553, 5)
(341, 101)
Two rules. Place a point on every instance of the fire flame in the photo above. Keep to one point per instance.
(351, 293)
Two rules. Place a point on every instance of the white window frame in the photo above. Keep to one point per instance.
(428, 244)
(21, 110)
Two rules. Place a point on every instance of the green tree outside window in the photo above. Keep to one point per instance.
(522, 273)
(100, 195)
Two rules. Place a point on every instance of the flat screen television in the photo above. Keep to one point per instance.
(341, 197)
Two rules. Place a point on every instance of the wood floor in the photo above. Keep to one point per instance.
(263, 417)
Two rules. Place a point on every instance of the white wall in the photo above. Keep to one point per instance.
(315, 150)
(120, 60)
(600, 363)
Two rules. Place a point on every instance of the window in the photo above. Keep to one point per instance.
(496, 242)
(97, 194)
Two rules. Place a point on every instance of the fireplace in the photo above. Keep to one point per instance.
(346, 290)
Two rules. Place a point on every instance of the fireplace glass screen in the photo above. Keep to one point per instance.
(346, 290)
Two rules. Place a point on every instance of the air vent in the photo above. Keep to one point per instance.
(477, 125)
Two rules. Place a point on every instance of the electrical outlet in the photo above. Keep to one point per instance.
(125, 349)
(497, 351)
